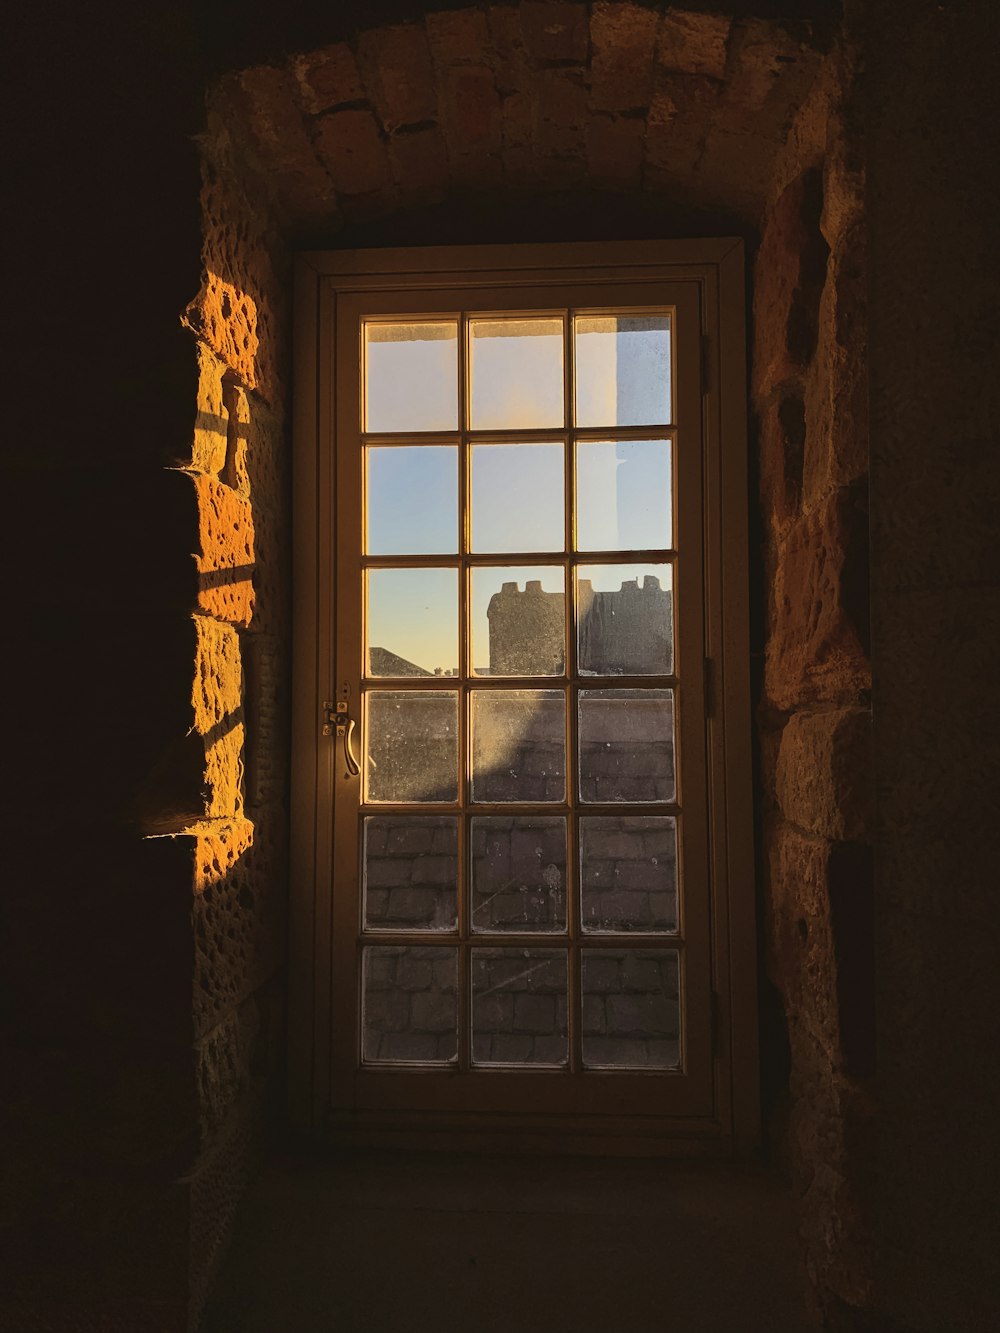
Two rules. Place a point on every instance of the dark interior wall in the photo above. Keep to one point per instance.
(933, 204)
(103, 1055)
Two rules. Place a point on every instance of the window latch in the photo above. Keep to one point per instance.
(337, 718)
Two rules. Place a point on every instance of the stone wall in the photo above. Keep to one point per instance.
(239, 470)
(809, 400)
(470, 124)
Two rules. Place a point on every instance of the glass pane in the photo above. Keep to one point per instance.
(517, 373)
(411, 873)
(625, 620)
(411, 746)
(518, 745)
(518, 621)
(627, 745)
(411, 376)
(623, 497)
(631, 1009)
(519, 1007)
(536, 519)
(628, 873)
(412, 501)
(518, 874)
(410, 1010)
(412, 625)
(622, 370)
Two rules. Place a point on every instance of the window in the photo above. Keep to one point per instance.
(523, 887)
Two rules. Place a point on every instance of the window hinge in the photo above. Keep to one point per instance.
(709, 687)
(705, 367)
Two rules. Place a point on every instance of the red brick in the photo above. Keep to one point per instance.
(399, 76)
(555, 29)
(327, 78)
(624, 40)
(350, 145)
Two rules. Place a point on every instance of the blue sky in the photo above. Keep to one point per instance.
(517, 500)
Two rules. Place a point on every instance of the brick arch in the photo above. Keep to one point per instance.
(543, 95)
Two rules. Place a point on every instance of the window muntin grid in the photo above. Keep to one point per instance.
(535, 691)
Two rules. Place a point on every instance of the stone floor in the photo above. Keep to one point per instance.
(407, 1242)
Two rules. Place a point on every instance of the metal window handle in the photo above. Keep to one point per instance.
(339, 720)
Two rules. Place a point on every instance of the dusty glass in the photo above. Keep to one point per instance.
(519, 1007)
(626, 745)
(409, 1004)
(410, 872)
(622, 370)
(516, 369)
(518, 873)
(411, 376)
(518, 745)
(411, 746)
(628, 873)
(518, 620)
(625, 620)
(631, 1008)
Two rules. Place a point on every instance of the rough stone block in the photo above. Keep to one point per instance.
(818, 643)
(555, 30)
(782, 436)
(623, 38)
(693, 43)
(327, 78)
(225, 562)
(419, 161)
(351, 148)
(470, 113)
(208, 451)
(820, 933)
(836, 399)
(681, 112)
(614, 151)
(561, 117)
(399, 75)
(734, 171)
(238, 913)
(460, 37)
(223, 1060)
(789, 274)
(759, 54)
(824, 772)
(799, 939)
(264, 102)
(226, 317)
(217, 692)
